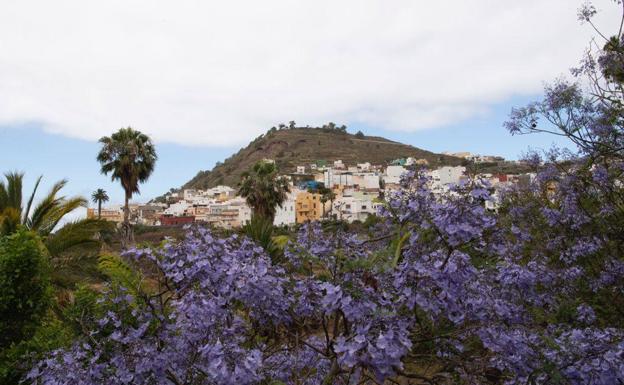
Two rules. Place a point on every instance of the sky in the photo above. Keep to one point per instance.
(203, 78)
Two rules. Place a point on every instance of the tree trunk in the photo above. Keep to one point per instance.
(99, 209)
(126, 230)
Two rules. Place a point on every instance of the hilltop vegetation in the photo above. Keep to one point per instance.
(294, 146)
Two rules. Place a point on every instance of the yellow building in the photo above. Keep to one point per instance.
(308, 207)
(109, 214)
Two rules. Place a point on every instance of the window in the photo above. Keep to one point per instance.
(363, 207)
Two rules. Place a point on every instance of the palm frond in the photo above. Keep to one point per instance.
(120, 272)
(14, 189)
(9, 220)
(63, 208)
(261, 230)
(82, 233)
(4, 196)
(30, 200)
(45, 206)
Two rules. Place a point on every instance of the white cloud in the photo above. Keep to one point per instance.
(220, 72)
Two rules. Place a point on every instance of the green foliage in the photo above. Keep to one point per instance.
(260, 230)
(263, 189)
(98, 197)
(85, 310)
(81, 233)
(130, 157)
(19, 357)
(371, 221)
(119, 272)
(57, 329)
(44, 216)
(25, 290)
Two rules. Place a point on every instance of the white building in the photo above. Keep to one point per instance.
(229, 214)
(333, 177)
(286, 215)
(338, 164)
(364, 166)
(356, 207)
(177, 209)
(190, 194)
(410, 161)
(393, 174)
(220, 192)
(447, 175)
(366, 180)
(244, 211)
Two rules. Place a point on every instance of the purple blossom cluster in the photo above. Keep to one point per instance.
(350, 311)
(446, 282)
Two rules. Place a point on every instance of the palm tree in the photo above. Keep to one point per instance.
(326, 195)
(130, 157)
(263, 189)
(43, 217)
(98, 197)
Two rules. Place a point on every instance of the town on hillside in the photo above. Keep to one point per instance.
(318, 191)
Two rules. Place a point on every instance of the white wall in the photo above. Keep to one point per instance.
(393, 174)
(177, 209)
(285, 215)
(450, 175)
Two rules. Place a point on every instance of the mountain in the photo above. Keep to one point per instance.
(290, 147)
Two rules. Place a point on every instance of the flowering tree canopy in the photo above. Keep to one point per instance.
(447, 291)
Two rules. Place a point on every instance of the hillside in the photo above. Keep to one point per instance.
(302, 146)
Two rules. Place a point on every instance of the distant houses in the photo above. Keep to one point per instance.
(356, 192)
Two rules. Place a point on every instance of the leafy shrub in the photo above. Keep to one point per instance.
(25, 291)
(25, 295)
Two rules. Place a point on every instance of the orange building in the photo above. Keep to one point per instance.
(308, 207)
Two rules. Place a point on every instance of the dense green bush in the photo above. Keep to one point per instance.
(20, 356)
(25, 290)
(25, 297)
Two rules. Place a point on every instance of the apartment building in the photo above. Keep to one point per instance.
(308, 207)
(355, 206)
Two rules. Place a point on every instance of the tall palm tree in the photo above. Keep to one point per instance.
(98, 197)
(44, 216)
(130, 157)
(263, 189)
